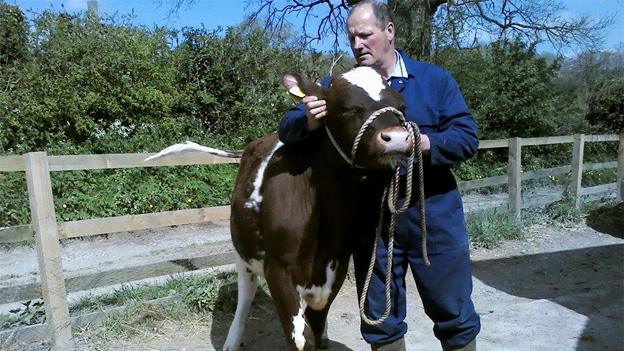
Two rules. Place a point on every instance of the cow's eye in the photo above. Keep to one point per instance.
(355, 110)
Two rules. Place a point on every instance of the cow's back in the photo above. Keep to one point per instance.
(246, 199)
(274, 203)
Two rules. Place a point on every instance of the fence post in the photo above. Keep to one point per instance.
(514, 177)
(620, 170)
(48, 249)
(577, 168)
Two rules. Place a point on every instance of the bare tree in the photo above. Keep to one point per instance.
(423, 23)
(535, 21)
(320, 18)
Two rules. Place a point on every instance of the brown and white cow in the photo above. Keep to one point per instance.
(299, 210)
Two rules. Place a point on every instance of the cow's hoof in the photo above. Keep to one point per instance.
(323, 343)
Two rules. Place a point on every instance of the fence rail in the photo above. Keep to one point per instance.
(48, 232)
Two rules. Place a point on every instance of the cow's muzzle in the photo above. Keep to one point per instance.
(395, 140)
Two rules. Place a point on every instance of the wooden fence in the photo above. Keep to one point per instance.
(48, 232)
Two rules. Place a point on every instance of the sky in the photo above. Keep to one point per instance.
(223, 13)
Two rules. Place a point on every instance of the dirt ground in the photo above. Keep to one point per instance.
(559, 289)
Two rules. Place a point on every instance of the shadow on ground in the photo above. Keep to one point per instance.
(588, 281)
(263, 331)
(608, 220)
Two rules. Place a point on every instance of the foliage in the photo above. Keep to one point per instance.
(31, 313)
(89, 87)
(473, 169)
(508, 88)
(593, 82)
(86, 79)
(606, 106)
(489, 228)
(205, 295)
(233, 83)
(14, 208)
(593, 178)
(13, 31)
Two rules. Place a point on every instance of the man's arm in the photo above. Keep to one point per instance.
(457, 138)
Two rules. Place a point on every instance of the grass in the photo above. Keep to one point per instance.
(199, 294)
(137, 314)
(32, 313)
(489, 228)
(14, 245)
(564, 212)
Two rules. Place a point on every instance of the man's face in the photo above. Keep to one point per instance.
(369, 43)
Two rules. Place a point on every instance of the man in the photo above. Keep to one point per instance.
(448, 136)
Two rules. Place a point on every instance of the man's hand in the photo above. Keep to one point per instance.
(425, 144)
(315, 110)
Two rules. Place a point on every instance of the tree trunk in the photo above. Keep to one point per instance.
(414, 25)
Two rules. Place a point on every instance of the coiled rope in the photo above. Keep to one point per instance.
(390, 195)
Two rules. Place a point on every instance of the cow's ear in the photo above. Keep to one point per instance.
(300, 87)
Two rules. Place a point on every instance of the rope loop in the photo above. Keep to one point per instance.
(390, 196)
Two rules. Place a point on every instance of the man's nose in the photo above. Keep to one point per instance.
(357, 43)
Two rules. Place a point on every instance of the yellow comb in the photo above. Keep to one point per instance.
(296, 94)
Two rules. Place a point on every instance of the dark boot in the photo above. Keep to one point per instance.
(471, 346)
(397, 345)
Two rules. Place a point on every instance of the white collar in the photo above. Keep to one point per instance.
(399, 67)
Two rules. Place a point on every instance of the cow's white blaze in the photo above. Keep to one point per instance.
(317, 296)
(255, 199)
(299, 323)
(367, 79)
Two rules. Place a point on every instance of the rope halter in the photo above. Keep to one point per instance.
(358, 137)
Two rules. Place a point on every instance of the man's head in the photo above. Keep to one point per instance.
(371, 34)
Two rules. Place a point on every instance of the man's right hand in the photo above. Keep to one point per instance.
(315, 109)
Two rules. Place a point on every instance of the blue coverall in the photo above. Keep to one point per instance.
(434, 102)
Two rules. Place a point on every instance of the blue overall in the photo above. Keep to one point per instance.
(434, 102)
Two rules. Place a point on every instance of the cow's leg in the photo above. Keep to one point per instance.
(318, 318)
(290, 308)
(324, 343)
(318, 323)
(247, 286)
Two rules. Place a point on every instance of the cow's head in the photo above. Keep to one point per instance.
(352, 97)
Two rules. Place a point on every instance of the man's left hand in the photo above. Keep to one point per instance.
(425, 145)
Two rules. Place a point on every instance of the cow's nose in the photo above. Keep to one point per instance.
(394, 139)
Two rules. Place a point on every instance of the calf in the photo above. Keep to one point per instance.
(299, 211)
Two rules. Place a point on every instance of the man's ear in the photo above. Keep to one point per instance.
(298, 86)
(390, 31)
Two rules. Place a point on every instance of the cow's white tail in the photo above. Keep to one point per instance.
(189, 146)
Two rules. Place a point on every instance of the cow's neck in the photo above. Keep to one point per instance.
(338, 182)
